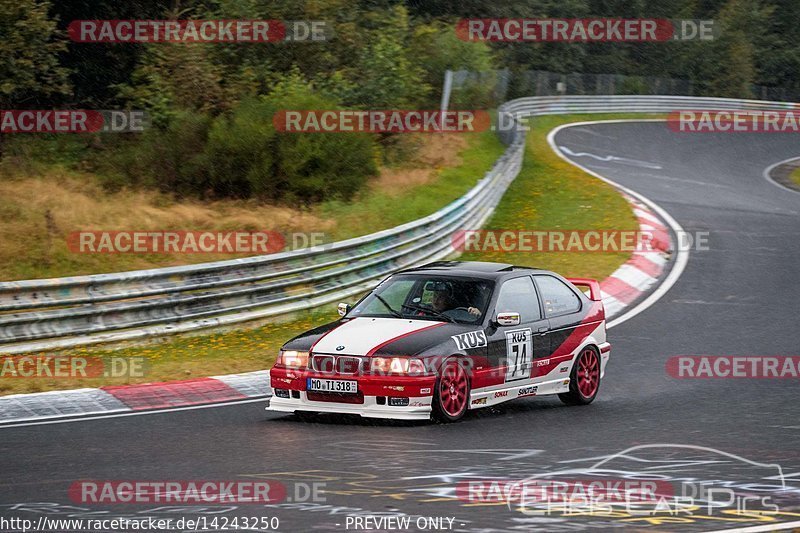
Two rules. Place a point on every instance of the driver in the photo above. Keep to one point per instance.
(443, 302)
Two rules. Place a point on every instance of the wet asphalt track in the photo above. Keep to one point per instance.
(741, 297)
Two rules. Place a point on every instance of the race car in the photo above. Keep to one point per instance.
(443, 338)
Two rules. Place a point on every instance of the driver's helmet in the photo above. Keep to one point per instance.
(439, 287)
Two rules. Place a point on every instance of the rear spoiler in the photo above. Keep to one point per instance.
(592, 284)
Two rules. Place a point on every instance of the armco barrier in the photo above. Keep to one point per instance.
(62, 312)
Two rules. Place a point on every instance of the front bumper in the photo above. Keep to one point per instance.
(418, 391)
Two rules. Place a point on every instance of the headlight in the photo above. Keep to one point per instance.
(293, 359)
(397, 365)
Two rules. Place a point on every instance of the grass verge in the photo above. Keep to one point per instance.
(42, 204)
(548, 194)
(795, 176)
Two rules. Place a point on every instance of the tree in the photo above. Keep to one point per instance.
(29, 48)
(436, 48)
(385, 76)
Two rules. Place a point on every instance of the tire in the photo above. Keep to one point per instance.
(584, 380)
(451, 395)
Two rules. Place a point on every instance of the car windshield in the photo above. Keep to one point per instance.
(427, 297)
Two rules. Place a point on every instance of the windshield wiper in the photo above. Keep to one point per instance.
(395, 313)
(431, 311)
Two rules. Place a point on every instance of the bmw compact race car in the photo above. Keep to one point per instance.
(446, 337)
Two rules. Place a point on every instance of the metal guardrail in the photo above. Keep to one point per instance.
(63, 312)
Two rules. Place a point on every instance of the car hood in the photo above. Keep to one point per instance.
(366, 336)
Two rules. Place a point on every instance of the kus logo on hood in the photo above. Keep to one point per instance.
(472, 339)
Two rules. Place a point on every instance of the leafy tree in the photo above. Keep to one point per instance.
(96, 68)
(436, 48)
(385, 75)
(29, 66)
(29, 48)
(172, 77)
(246, 156)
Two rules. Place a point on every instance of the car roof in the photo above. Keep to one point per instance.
(479, 269)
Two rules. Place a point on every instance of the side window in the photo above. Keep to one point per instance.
(558, 299)
(519, 295)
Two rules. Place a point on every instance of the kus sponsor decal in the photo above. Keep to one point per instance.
(472, 339)
(527, 391)
(479, 401)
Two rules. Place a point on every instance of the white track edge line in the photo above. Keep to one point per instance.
(755, 529)
(682, 256)
(767, 174)
(134, 413)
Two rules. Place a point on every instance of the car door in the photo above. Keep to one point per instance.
(513, 349)
(563, 309)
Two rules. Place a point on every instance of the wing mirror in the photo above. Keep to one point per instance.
(508, 318)
(343, 308)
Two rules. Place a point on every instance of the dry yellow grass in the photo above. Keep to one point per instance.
(38, 212)
(435, 152)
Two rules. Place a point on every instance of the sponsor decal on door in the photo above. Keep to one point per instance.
(473, 339)
(519, 345)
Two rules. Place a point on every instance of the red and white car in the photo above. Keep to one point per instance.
(447, 337)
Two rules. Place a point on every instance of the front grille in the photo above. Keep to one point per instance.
(349, 365)
(338, 397)
(323, 363)
(339, 364)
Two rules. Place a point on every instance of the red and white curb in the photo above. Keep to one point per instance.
(642, 271)
(620, 291)
(625, 286)
(132, 398)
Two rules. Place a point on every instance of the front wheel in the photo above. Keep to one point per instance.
(584, 380)
(451, 397)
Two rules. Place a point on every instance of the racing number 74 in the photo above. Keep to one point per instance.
(519, 344)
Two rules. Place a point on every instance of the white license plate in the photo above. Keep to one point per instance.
(332, 385)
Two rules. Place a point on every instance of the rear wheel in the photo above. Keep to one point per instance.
(451, 397)
(584, 380)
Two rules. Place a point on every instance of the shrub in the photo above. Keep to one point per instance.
(247, 157)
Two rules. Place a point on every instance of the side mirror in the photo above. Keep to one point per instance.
(508, 318)
(343, 308)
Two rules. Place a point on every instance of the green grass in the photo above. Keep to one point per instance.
(548, 194)
(795, 176)
(380, 209)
